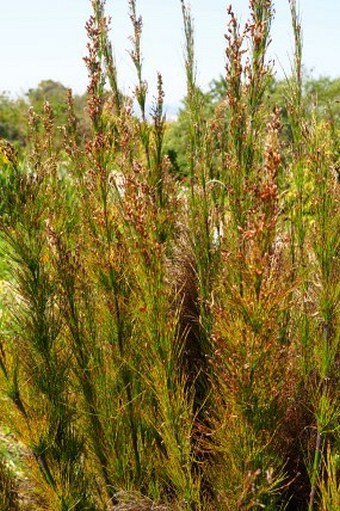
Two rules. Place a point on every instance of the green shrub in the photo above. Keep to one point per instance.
(167, 343)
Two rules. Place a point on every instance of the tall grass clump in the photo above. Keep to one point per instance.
(174, 343)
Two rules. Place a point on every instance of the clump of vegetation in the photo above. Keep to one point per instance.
(173, 343)
(8, 495)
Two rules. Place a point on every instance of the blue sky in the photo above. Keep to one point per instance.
(45, 39)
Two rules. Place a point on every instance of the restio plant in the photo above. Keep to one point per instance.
(172, 342)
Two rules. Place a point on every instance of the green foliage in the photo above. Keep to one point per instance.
(325, 93)
(8, 495)
(14, 112)
(169, 334)
(48, 90)
(12, 119)
(322, 95)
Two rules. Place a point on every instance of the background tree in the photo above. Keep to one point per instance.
(12, 119)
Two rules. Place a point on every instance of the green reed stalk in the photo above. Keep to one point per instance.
(326, 247)
(142, 87)
(201, 208)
